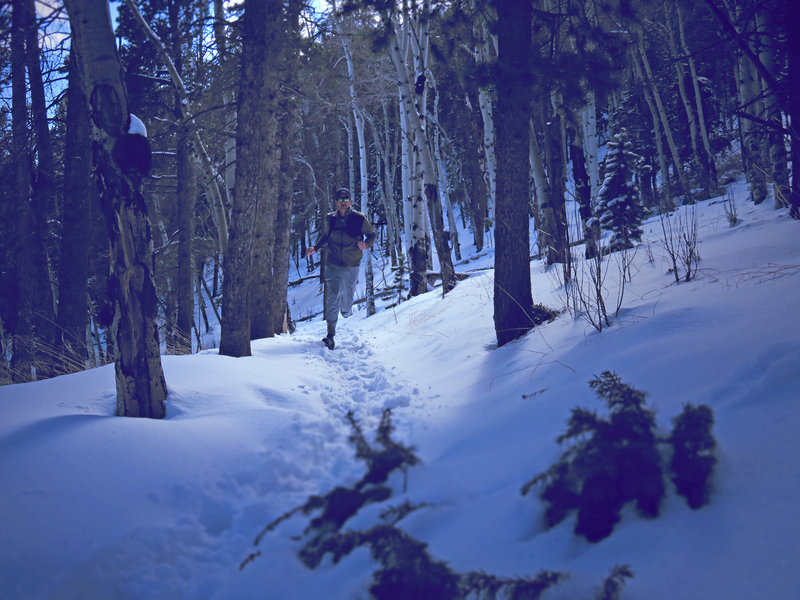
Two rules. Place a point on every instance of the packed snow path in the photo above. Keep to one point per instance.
(350, 379)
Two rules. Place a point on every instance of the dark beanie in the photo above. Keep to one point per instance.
(342, 193)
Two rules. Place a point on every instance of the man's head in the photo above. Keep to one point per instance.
(343, 200)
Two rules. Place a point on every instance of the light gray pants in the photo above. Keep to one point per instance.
(340, 287)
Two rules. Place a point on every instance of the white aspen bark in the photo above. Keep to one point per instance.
(590, 148)
(663, 117)
(386, 176)
(406, 175)
(485, 103)
(413, 209)
(751, 103)
(358, 118)
(680, 76)
(540, 186)
(444, 193)
(588, 121)
(425, 176)
(482, 53)
(451, 227)
(389, 159)
(662, 159)
(748, 88)
(698, 99)
(777, 147)
(201, 154)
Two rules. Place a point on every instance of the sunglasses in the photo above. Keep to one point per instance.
(343, 200)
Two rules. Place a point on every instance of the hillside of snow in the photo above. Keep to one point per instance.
(95, 507)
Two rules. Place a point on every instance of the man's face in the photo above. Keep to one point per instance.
(343, 203)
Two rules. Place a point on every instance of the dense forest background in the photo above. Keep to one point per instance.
(491, 113)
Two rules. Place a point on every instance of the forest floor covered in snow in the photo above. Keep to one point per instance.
(95, 506)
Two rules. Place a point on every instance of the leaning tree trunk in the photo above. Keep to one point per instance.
(707, 154)
(701, 165)
(121, 159)
(662, 159)
(662, 114)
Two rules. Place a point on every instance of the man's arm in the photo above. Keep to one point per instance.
(322, 240)
(369, 232)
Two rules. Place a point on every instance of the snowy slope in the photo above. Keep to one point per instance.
(96, 507)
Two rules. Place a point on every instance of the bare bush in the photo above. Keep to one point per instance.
(730, 208)
(680, 241)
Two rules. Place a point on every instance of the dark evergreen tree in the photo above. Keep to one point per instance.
(693, 457)
(619, 203)
(609, 463)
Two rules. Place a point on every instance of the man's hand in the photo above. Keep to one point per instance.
(310, 250)
(361, 245)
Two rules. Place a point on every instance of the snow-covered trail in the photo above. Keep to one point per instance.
(351, 378)
(245, 440)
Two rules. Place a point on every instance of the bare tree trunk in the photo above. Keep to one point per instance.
(478, 195)
(358, 118)
(707, 154)
(793, 111)
(184, 279)
(541, 187)
(482, 51)
(583, 192)
(680, 75)
(24, 332)
(254, 156)
(141, 389)
(588, 125)
(513, 302)
(779, 168)
(662, 113)
(38, 208)
(427, 173)
(43, 200)
(552, 235)
(662, 159)
(205, 166)
(385, 168)
(220, 37)
(248, 268)
(287, 133)
(73, 272)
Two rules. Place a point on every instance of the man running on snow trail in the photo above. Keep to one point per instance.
(346, 233)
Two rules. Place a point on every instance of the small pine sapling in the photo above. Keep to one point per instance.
(609, 463)
(693, 457)
(619, 204)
